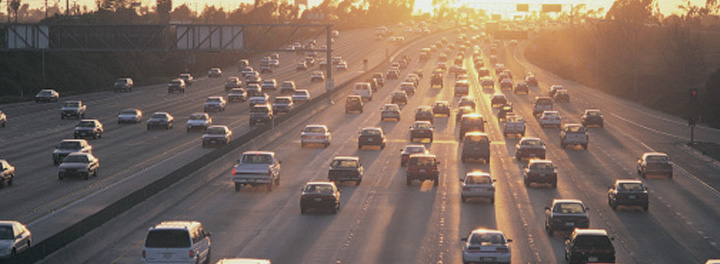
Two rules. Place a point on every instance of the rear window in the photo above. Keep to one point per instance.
(344, 164)
(167, 239)
(424, 161)
(476, 139)
(544, 101)
(257, 159)
(69, 145)
(472, 121)
(593, 242)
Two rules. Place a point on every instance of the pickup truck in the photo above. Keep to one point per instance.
(574, 134)
(73, 109)
(256, 168)
(514, 124)
(346, 168)
(7, 173)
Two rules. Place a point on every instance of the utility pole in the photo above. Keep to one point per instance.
(46, 8)
(330, 82)
(67, 8)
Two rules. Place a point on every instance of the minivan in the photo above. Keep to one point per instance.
(364, 90)
(476, 145)
(177, 242)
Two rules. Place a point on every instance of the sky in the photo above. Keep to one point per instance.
(667, 7)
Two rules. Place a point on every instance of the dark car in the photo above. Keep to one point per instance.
(91, 128)
(467, 101)
(589, 245)
(399, 97)
(592, 117)
(409, 150)
(498, 100)
(566, 215)
(540, 171)
(393, 74)
(82, 165)
(123, 84)
(424, 113)
(436, 80)
(353, 103)
(471, 122)
(421, 129)
(561, 95)
(628, 193)
(441, 108)
(160, 119)
(346, 168)
(483, 72)
(320, 195)
(476, 145)
(422, 167)
(216, 135)
(531, 80)
(654, 163)
(378, 76)
(371, 136)
(261, 113)
(521, 87)
(237, 95)
(373, 84)
(187, 78)
(232, 82)
(7, 173)
(176, 86)
(530, 148)
(47, 95)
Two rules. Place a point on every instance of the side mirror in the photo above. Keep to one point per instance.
(509, 240)
(463, 239)
(587, 208)
(547, 208)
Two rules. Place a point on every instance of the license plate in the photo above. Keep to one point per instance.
(422, 170)
(593, 259)
(569, 223)
(631, 196)
(487, 259)
(213, 141)
(318, 199)
(542, 175)
(167, 255)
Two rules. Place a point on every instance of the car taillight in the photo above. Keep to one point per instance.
(234, 171)
(473, 249)
(144, 254)
(502, 250)
(192, 254)
(270, 171)
(492, 189)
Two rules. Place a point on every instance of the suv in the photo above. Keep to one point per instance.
(566, 214)
(373, 136)
(589, 245)
(256, 168)
(422, 167)
(176, 86)
(529, 148)
(88, 128)
(215, 104)
(542, 103)
(7, 173)
(177, 242)
(421, 129)
(68, 146)
(471, 122)
(390, 111)
(628, 192)
(123, 84)
(476, 145)
(654, 163)
(540, 171)
(344, 168)
(353, 103)
(261, 113)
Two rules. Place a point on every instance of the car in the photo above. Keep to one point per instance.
(74, 109)
(487, 83)
(176, 86)
(256, 168)
(274, 63)
(88, 128)
(441, 108)
(187, 78)
(67, 146)
(475, 146)
(364, 90)
(561, 95)
(554, 89)
(486, 246)
(407, 87)
(346, 168)
(301, 66)
(574, 134)
(498, 100)
(462, 111)
(310, 61)
(216, 135)
(123, 85)
(521, 87)
(589, 245)
(504, 111)
(353, 103)
(390, 111)
(371, 136)
(413, 78)
(531, 80)
(269, 84)
(261, 113)
(247, 70)
(301, 96)
(253, 89)
(267, 68)
(467, 101)
(409, 150)
(462, 88)
(262, 98)
(424, 113)
(477, 184)
(471, 122)
(592, 117)
(341, 66)
(540, 171)
(499, 68)
(287, 86)
(422, 130)
(550, 118)
(625, 192)
(436, 81)
(506, 83)
(160, 119)
(214, 72)
(542, 103)
(393, 74)
(654, 163)
(130, 115)
(378, 76)
(315, 134)
(320, 195)
(242, 63)
(215, 104)
(253, 79)
(177, 242)
(7, 174)
(317, 76)
(483, 72)
(47, 95)
(399, 97)
(199, 121)
(283, 104)
(237, 95)
(15, 238)
(566, 215)
(79, 164)
(530, 148)
(422, 167)
(3, 119)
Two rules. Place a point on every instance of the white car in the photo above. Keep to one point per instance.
(259, 99)
(269, 84)
(317, 76)
(215, 104)
(550, 119)
(301, 96)
(214, 72)
(478, 185)
(342, 66)
(130, 115)
(199, 121)
(14, 238)
(315, 134)
(486, 245)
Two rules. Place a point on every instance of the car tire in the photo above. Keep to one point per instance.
(554, 184)
(614, 206)
(518, 158)
(277, 181)
(645, 207)
(527, 183)
(360, 146)
(334, 210)
(87, 176)
(462, 199)
(492, 200)
(642, 174)
(302, 210)
(585, 146)
(327, 144)
(237, 187)
(408, 181)
(436, 182)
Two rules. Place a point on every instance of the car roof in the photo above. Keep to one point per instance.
(221, 126)
(422, 156)
(590, 232)
(618, 181)
(539, 161)
(415, 146)
(477, 174)
(323, 126)
(487, 231)
(573, 125)
(256, 152)
(422, 122)
(215, 97)
(73, 140)
(320, 183)
(161, 113)
(372, 128)
(176, 225)
(557, 201)
(646, 154)
(530, 138)
(475, 133)
(346, 158)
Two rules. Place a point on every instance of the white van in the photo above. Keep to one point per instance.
(364, 90)
(177, 242)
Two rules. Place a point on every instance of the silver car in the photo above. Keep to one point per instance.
(390, 111)
(215, 104)
(315, 134)
(14, 238)
(199, 121)
(68, 146)
(81, 165)
(486, 245)
(216, 135)
(130, 115)
(478, 185)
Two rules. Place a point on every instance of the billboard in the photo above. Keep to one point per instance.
(20, 36)
(209, 37)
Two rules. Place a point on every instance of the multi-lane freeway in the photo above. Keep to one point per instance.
(382, 220)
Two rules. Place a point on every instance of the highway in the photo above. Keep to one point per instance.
(382, 220)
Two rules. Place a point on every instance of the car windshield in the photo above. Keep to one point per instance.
(158, 116)
(487, 239)
(45, 93)
(630, 187)
(197, 117)
(300, 93)
(69, 145)
(175, 83)
(414, 149)
(478, 180)
(268, 82)
(86, 124)
(215, 131)
(282, 100)
(371, 132)
(657, 159)
(593, 114)
(391, 107)
(76, 158)
(72, 104)
(476, 139)
(569, 208)
(551, 114)
(314, 130)
(237, 91)
(542, 166)
(344, 164)
(257, 159)
(422, 161)
(531, 143)
(471, 121)
(544, 101)
(128, 112)
(6, 232)
(168, 239)
(318, 188)
(593, 242)
(260, 109)
(213, 100)
(441, 105)
(422, 125)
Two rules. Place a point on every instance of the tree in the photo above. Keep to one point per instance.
(634, 12)
(15, 5)
(182, 13)
(163, 10)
